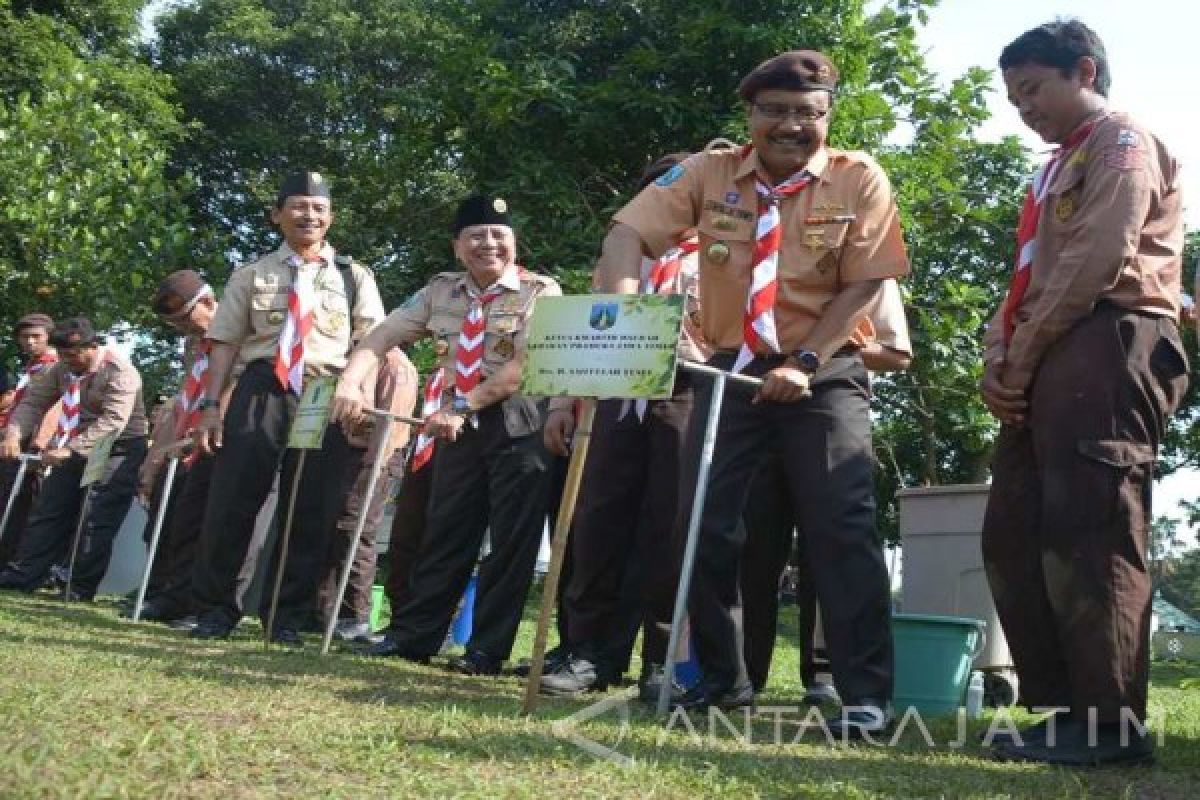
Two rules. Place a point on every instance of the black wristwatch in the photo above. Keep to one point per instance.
(461, 406)
(207, 403)
(807, 360)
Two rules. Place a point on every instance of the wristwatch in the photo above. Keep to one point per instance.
(461, 406)
(207, 403)
(807, 360)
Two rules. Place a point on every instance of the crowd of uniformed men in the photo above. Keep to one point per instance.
(787, 251)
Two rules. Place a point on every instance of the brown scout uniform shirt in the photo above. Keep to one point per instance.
(1111, 228)
(392, 385)
(439, 308)
(714, 192)
(254, 307)
(110, 399)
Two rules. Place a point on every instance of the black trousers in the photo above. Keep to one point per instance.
(255, 442)
(624, 560)
(176, 559)
(484, 481)
(54, 518)
(770, 545)
(408, 532)
(356, 605)
(158, 570)
(10, 537)
(825, 442)
(1065, 533)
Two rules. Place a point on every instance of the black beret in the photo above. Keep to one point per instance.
(35, 320)
(177, 291)
(481, 209)
(73, 332)
(309, 184)
(795, 70)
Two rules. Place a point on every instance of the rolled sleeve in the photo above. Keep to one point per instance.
(874, 244)
(231, 322)
(368, 306)
(666, 208)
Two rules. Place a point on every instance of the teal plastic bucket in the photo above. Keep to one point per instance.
(933, 661)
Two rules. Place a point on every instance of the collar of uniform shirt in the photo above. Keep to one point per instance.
(816, 165)
(511, 280)
(287, 252)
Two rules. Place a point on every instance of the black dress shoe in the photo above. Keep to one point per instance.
(208, 628)
(864, 718)
(76, 596)
(1109, 745)
(390, 647)
(1030, 734)
(697, 699)
(576, 676)
(288, 637)
(474, 662)
(154, 612)
(650, 685)
(13, 580)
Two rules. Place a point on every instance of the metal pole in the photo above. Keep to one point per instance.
(159, 516)
(372, 481)
(85, 508)
(562, 526)
(283, 550)
(693, 536)
(24, 458)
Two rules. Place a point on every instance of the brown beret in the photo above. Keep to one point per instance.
(656, 169)
(178, 292)
(795, 70)
(35, 320)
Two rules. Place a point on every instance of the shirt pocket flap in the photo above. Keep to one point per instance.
(269, 301)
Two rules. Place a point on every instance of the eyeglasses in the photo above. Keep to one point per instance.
(781, 111)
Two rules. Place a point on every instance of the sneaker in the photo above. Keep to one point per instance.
(288, 637)
(554, 658)
(697, 699)
(821, 693)
(212, 628)
(187, 623)
(351, 630)
(576, 676)
(650, 684)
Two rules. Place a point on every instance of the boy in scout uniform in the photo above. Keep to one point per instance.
(621, 551)
(101, 394)
(795, 241)
(491, 471)
(286, 319)
(1083, 367)
(32, 333)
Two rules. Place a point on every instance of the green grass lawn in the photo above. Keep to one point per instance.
(95, 706)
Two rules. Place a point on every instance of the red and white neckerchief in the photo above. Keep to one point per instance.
(758, 321)
(1027, 224)
(663, 277)
(468, 356)
(72, 399)
(195, 389)
(431, 402)
(34, 368)
(289, 363)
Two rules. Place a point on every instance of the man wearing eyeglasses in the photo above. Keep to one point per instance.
(796, 239)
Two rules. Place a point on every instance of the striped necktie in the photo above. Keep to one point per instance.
(1027, 225)
(468, 357)
(289, 363)
(758, 320)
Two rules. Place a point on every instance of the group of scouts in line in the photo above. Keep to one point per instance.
(787, 251)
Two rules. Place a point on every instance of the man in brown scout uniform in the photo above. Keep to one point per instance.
(32, 333)
(795, 241)
(288, 318)
(186, 302)
(393, 388)
(491, 471)
(101, 394)
(1083, 366)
